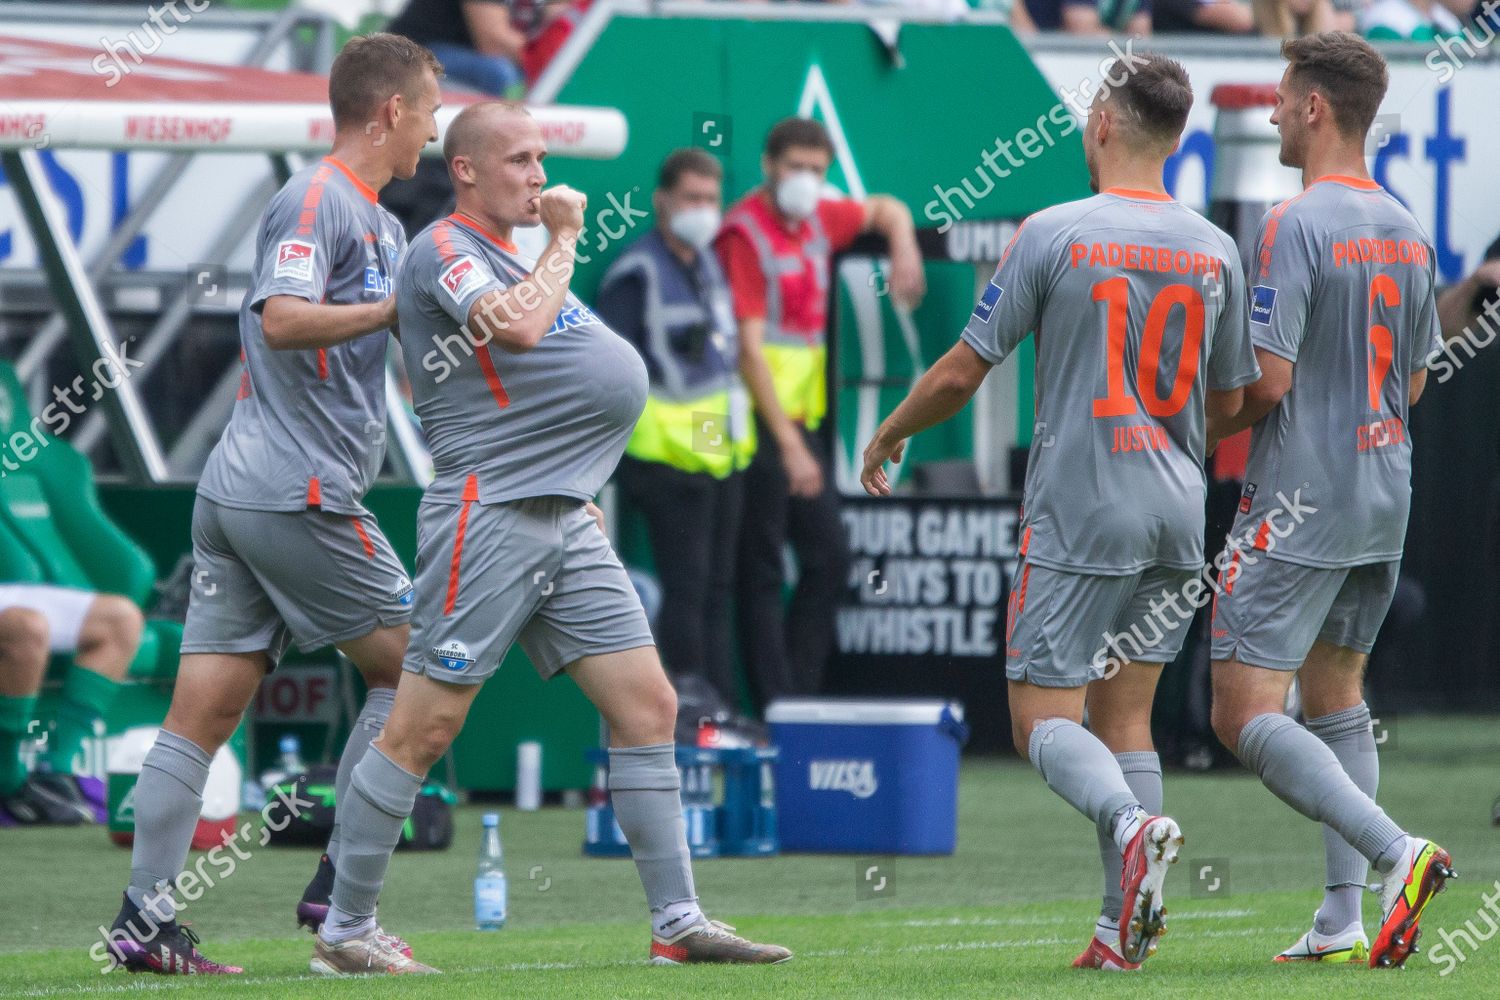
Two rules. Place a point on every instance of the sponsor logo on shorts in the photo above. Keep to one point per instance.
(453, 655)
(1247, 498)
(462, 277)
(987, 302)
(1262, 304)
(376, 282)
(294, 259)
(857, 777)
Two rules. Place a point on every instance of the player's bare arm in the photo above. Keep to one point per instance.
(494, 33)
(940, 393)
(1261, 397)
(517, 317)
(291, 323)
(595, 513)
(804, 475)
(1418, 383)
(1455, 304)
(1220, 406)
(892, 219)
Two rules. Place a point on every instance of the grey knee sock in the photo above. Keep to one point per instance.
(1142, 770)
(382, 795)
(1077, 766)
(644, 788)
(168, 800)
(1349, 736)
(1303, 772)
(368, 726)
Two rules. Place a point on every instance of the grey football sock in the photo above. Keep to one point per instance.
(369, 725)
(644, 788)
(382, 795)
(168, 801)
(1303, 772)
(1077, 766)
(1142, 770)
(1349, 736)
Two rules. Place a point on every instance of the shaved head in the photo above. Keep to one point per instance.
(480, 123)
(495, 151)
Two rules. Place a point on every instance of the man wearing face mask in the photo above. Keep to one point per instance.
(777, 247)
(683, 467)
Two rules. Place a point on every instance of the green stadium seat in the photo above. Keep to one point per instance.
(53, 530)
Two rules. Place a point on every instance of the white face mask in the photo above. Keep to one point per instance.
(696, 226)
(797, 194)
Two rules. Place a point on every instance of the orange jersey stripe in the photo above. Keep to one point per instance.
(310, 200)
(442, 238)
(314, 492)
(1269, 239)
(491, 376)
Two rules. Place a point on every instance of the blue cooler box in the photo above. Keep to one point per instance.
(867, 777)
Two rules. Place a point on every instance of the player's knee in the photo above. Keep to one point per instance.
(24, 639)
(207, 726)
(656, 712)
(1227, 721)
(115, 622)
(418, 744)
(431, 743)
(1020, 736)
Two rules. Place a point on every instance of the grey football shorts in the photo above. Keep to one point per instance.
(1270, 612)
(1065, 629)
(538, 571)
(263, 579)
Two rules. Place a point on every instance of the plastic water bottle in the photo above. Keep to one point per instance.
(291, 756)
(489, 883)
(288, 765)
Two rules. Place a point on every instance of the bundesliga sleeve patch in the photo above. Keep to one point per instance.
(294, 259)
(987, 302)
(462, 277)
(1262, 303)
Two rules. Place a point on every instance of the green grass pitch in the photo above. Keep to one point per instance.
(1003, 918)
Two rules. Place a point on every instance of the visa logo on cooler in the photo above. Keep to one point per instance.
(857, 777)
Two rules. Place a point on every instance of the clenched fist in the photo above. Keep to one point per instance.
(561, 209)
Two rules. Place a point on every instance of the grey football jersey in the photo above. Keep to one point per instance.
(1343, 284)
(552, 421)
(308, 426)
(1138, 308)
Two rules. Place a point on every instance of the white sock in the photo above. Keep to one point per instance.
(340, 926)
(1127, 825)
(674, 918)
(1107, 930)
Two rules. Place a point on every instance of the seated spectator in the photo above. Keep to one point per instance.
(1091, 17)
(103, 632)
(477, 41)
(1295, 18)
(1223, 17)
(1407, 20)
